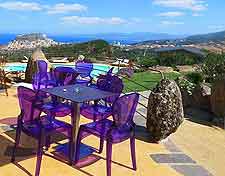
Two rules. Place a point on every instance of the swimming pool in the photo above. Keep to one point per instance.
(98, 68)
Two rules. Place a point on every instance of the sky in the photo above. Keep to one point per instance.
(112, 16)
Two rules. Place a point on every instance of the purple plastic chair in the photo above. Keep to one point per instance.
(99, 111)
(84, 68)
(109, 73)
(42, 66)
(61, 76)
(65, 76)
(42, 78)
(39, 127)
(116, 131)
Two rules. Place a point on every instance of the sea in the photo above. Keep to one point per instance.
(6, 38)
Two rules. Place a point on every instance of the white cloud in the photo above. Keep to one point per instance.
(22, 6)
(65, 8)
(169, 23)
(171, 14)
(197, 14)
(194, 5)
(93, 20)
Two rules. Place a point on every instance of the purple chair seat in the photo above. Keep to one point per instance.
(95, 112)
(50, 125)
(82, 81)
(107, 83)
(56, 109)
(104, 128)
(43, 80)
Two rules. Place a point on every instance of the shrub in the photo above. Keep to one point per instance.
(178, 58)
(214, 67)
(195, 77)
(186, 85)
(148, 61)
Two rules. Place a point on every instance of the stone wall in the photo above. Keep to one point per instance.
(218, 98)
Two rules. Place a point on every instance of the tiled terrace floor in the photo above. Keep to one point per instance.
(147, 164)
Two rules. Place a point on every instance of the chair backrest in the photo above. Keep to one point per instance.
(124, 108)
(65, 76)
(110, 72)
(39, 80)
(27, 97)
(84, 68)
(41, 75)
(111, 83)
(42, 66)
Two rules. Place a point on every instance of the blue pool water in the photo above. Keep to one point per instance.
(98, 68)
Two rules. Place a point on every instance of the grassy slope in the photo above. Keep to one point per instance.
(146, 79)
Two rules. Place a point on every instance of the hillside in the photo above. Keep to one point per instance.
(96, 48)
(29, 42)
(205, 38)
(216, 37)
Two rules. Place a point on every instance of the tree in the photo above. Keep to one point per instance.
(148, 61)
(214, 67)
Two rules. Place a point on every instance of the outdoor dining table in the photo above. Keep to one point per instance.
(77, 94)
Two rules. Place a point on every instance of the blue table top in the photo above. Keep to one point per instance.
(78, 93)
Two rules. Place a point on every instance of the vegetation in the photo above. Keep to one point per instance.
(178, 58)
(16, 56)
(186, 85)
(96, 49)
(148, 61)
(195, 77)
(100, 50)
(214, 67)
(147, 79)
(134, 54)
(171, 59)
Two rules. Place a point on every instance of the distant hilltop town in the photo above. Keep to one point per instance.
(30, 41)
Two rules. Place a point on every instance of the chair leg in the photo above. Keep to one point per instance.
(101, 145)
(39, 156)
(17, 140)
(108, 157)
(48, 142)
(133, 154)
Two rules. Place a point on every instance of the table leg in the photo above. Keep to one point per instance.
(75, 119)
(95, 105)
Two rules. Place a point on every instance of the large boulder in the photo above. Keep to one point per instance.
(32, 64)
(165, 110)
(201, 97)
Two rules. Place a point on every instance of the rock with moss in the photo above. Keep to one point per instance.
(165, 110)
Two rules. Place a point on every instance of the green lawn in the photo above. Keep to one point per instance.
(147, 79)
